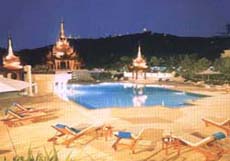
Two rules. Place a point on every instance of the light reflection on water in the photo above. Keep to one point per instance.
(62, 91)
(105, 95)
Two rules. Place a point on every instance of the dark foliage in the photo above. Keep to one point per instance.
(105, 52)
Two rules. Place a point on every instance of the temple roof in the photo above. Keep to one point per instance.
(139, 61)
(62, 47)
(10, 61)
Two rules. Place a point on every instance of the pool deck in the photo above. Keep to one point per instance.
(156, 121)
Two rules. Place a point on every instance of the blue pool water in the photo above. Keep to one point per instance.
(106, 95)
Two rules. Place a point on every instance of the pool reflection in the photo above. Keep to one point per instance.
(139, 98)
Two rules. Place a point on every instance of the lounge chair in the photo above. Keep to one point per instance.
(61, 131)
(127, 136)
(12, 117)
(24, 109)
(207, 146)
(225, 125)
(73, 133)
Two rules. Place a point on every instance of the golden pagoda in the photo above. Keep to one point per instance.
(63, 56)
(12, 67)
(139, 65)
(10, 61)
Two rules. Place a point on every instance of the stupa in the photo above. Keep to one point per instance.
(12, 67)
(10, 61)
(139, 65)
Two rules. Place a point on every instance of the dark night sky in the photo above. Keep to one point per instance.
(35, 23)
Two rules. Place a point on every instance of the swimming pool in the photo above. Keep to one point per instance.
(105, 95)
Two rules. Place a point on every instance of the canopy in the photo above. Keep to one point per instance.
(10, 85)
(208, 72)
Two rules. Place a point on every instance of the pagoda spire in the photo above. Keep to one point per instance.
(10, 48)
(10, 61)
(62, 31)
(139, 52)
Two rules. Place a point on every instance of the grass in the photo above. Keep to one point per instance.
(46, 156)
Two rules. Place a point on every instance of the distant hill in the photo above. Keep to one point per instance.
(103, 51)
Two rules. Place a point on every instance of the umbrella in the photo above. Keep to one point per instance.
(208, 72)
(10, 85)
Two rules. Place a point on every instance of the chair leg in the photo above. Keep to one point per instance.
(206, 123)
(166, 149)
(55, 137)
(114, 146)
(108, 133)
(208, 155)
(70, 140)
(132, 147)
(177, 146)
(67, 143)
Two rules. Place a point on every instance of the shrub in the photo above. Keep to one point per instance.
(46, 156)
(103, 76)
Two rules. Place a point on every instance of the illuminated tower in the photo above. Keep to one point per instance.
(139, 65)
(139, 62)
(12, 67)
(10, 61)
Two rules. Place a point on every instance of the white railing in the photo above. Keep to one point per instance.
(157, 76)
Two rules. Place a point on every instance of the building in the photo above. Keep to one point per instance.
(12, 67)
(225, 54)
(139, 65)
(63, 56)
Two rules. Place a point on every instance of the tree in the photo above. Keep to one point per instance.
(154, 61)
(187, 65)
(223, 65)
(125, 61)
(171, 63)
(202, 64)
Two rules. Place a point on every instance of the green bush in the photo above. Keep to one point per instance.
(103, 76)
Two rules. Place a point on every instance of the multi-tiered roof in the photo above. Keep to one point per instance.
(139, 61)
(10, 61)
(62, 47)
(63, 56)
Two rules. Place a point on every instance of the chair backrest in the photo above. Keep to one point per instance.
(227, 122)
(82, 131)
(16, 115)
(198, 142)
(217, 123)
(139, 134)
(19, 106)
(60, 128)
